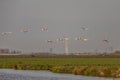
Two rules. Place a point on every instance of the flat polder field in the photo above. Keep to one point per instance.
(61, 61)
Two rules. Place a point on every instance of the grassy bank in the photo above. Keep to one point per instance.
(103, 67)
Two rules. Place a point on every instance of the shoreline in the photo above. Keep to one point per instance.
(94, 71)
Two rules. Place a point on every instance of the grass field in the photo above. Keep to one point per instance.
(63, 61)
(107, 67)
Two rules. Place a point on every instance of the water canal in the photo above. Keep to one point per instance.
(10, 74)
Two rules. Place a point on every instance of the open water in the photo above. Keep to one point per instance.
(10, 74)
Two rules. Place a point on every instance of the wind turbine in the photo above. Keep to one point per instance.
(78, 38)
(50, 42)
(84, 28)
(106, 41)
(85, 39)
(45, 29)
(25, 30)
(6, 33)
(65, 41)
(81, 39)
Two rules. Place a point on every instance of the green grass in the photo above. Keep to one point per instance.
(63, 61)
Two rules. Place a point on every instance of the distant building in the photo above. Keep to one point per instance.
(4, 51)
(15, 52)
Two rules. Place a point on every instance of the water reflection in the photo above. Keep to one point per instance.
(9, 74)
